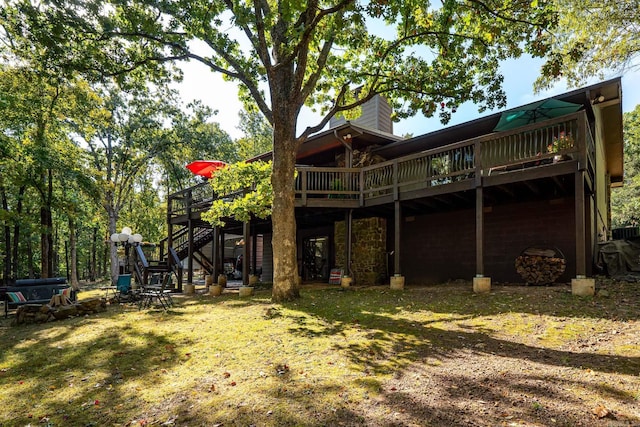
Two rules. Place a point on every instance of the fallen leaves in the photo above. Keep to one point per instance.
(601, 411)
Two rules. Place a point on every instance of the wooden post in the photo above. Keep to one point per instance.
(397, 219)
(479, 232)
(190, 251)
(254, 252)
(245, 254)
(304, 186)
(221, 251)
(347, 239)
(190, 238)
(396, 192)
(215, 259)
(581, 252)
(169, 231)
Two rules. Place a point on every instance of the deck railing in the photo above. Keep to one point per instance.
(333, 183)
(532, 145)
(194, 199)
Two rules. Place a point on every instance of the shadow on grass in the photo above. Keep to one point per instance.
(44, 370)
(394, 344)
(414, 340)
(389, 344)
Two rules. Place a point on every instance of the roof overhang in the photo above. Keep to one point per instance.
(606, 102)
(321, 148)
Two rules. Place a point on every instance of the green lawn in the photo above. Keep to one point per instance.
(334, 357)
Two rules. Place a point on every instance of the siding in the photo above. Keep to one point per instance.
(441, 247)
(267, 259)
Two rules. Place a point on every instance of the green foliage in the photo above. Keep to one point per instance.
(248, 191)
(258, 135)
(336, 56)
(591, 38)
(195, 137)
(625, 201)
(42, 168)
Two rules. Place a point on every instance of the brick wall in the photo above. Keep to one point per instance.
(441, 247)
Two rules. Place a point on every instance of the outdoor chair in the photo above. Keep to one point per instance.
(160, 293)
(124, 293)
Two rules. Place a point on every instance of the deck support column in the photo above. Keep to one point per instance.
(479, 232)
(169, 241)
(245, 253)
(397, 224)
(254, 252)
(190, 253)
(215, 250)
(190, 242)
(348, 219)
(581, 285)
(221, 253)
(481, 284)
(581, 253)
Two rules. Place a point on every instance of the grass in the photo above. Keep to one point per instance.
(316, 361)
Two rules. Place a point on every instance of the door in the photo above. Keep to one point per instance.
(315, 258)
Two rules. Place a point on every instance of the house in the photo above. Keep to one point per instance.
(461, 202)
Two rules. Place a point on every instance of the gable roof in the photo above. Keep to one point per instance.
(321, 147)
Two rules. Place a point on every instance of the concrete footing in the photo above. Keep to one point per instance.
(481, 285)
(189, 289)
(245, 291)
(582, 286)
(397, 282)
(215, 290)
(346, 282)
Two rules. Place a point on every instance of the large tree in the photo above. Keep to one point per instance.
(592, 38)
(36, 110)
(332, 54)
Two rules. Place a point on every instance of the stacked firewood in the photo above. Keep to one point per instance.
(40, 313)
(540, 266)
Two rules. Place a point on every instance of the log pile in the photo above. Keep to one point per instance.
(540, 266)
(32, 313)
(40, 313)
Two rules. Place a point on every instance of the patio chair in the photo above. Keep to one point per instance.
(124, 293)
(160, 293)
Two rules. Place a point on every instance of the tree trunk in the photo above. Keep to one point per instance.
(6, 262)
(16, 234)
(45, 248)
(93, 262)
(285, 263)
(46, 223)
(74, 254)
(30, 261)
(113, 248)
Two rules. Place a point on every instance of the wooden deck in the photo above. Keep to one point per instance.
(522, 154)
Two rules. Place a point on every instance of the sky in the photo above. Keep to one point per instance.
(519, 75)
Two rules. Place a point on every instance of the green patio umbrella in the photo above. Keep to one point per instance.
(535, 112)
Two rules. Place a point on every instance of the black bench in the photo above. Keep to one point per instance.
(33, 291)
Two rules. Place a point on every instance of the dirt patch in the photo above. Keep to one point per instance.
(524, 375)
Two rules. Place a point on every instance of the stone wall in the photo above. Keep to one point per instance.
(368, 249)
